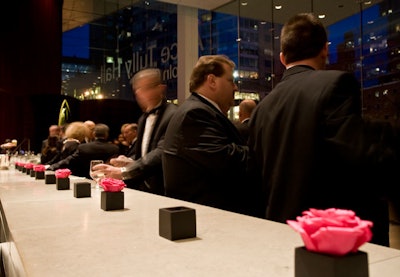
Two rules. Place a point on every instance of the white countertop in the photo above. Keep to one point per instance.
(52, 233)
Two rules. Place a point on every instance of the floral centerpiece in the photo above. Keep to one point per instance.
(332, 231)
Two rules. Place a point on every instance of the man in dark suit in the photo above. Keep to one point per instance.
(98, 149)
(204, 157)
(246, 107)
(130, 134)
(144, 171)
(54, 130)
(310, 146)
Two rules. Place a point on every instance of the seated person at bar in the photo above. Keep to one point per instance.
(97, 149)
(130, 134)
(50, 149)
(54, 130)
(75, 134)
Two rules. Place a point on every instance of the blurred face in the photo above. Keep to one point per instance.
(148, 93)
(225, 89)
(129, 134)
(121, 138)
(54, 130)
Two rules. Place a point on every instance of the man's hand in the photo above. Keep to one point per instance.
(120, 161)
(109, 171)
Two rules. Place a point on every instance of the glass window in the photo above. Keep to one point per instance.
(100, 57)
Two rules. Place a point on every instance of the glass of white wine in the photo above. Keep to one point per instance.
(96, 175)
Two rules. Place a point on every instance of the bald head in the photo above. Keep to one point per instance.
(246, 107)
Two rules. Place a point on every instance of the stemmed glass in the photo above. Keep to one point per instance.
(96, 175)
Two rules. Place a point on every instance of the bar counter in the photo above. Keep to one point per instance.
(49, 232)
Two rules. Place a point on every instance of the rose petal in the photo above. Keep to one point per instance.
(335, 241)
(304, 236)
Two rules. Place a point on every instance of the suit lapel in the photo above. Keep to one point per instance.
(140, 132)
(141, 127)
(233, 132)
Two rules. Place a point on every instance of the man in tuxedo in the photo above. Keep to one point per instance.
(310, 147)
(204, 157)
(144, 170)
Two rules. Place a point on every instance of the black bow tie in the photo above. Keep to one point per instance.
(154, 111)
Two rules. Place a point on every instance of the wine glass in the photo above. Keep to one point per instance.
(96, 175)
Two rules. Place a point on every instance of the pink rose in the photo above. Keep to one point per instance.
(112, 185)
(28, 165)
(39, 167)
(62, 173)
(332, 231)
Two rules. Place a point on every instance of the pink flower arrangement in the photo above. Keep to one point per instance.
(112, 185)
(62, 173)
(39, 167)
(332, 231)
(28, 165)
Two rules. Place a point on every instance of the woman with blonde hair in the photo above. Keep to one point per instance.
(75, 134)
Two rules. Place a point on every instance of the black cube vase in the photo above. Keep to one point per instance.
(112, 200)
(312, 264)
(39, 175)
(49, 177)
(62, 183)
(82, 189)
(177, 223)
(33, 174)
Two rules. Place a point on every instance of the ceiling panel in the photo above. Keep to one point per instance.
(79, 12)
(264, 10)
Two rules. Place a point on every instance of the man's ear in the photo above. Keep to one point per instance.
(211, 78)
(282, 58)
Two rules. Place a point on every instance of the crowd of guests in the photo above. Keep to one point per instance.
(75, 144)
(305, 145)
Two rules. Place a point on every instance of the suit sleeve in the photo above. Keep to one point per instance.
(207, 140)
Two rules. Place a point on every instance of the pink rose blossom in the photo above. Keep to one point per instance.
(62, 173)
(112, 185)
(332, 231)
(39, 167)
(28, 165)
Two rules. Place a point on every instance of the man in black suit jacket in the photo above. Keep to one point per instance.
(144, 172)
(130, 134)
(246, 107)
(54, 130)
(204, 157)
(310, 146)
(98, 149)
